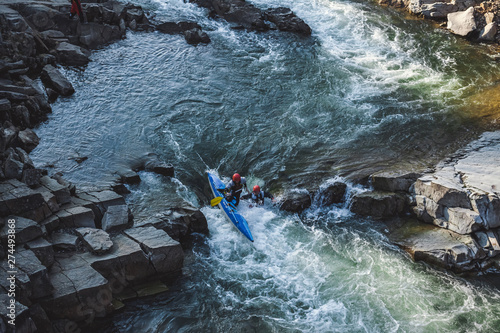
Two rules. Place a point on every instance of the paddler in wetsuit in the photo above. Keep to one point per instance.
(235, 187)
(258, 196)
(76, 8)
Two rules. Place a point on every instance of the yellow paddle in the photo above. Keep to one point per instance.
(215, 201)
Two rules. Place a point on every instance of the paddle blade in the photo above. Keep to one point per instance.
(215, 201)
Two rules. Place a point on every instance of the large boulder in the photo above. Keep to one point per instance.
(96, 240)
(378, 204)
(164, 253)
(393, 181)
(116, 218)
(286, 20)
(296, 201)
(179, 222)
(462, 23)
(52, 78)
(438, 10)
(81, 293)
(332, 193)
(27, 262)
(72, 55)
(489, 32)
(462, 195)
(26, 229)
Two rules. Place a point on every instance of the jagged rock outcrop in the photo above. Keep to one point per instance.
(246, 16)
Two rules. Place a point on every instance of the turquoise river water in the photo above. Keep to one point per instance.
(370, 89)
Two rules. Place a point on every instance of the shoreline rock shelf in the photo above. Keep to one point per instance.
(72, 270)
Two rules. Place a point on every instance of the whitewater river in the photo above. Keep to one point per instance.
(370, 89)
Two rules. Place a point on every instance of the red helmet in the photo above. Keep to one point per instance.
(256, 188)
(236, 177)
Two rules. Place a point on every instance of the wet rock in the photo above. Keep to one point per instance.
(96, 240)
(125, 264)
(176, 27)
(488, 33)
(22, 201)
(37, 273)
(116, 218)
(196, 36)
(164, 253)
(286, 20)
(80, 291)
(28, 140)
(26, 230)
(393, 181)
(333, 193)
(31, 177)
(444, 188)
(440, 247)
(51, 224)
(75, 217)
(130, 177)
(61, 192)
(64, 241)
(296, 201)
(7, 137)
(462, 23)
(179, 222)
(43, 251)
(72, 55)
(378, 204)
(159, 167)
(94, 35)
(52, 78)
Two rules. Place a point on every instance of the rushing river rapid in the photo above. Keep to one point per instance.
(370, 89)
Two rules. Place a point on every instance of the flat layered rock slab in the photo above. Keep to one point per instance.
(438, 246)
(165, 254)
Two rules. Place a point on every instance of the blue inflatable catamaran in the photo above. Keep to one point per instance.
(228, 208)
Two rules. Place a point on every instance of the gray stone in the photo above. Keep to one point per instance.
(130, 177)
(489, 32)
(439, 247)
(7, 136)
(43, 251)
(159, 167)
(37, 273)
(61, 192)
(296, 201)
(22, 201)
(81, 293)
(378, 204)
(332, 194)
(52, 78)
(64, 241)
(76, 217)
(51, 224)
(196, 36)
(125, 264)
(116, 218)
(26, 230)
(28, 139)
(164, 253)
(393, 181)
(72, 55)
(438, 10)
(23, 321)
(31, 177)
(96, 240)
(462, 23)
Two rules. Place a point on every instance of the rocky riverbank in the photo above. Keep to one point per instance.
(448, 217)
(71, 255)
(475, 19)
